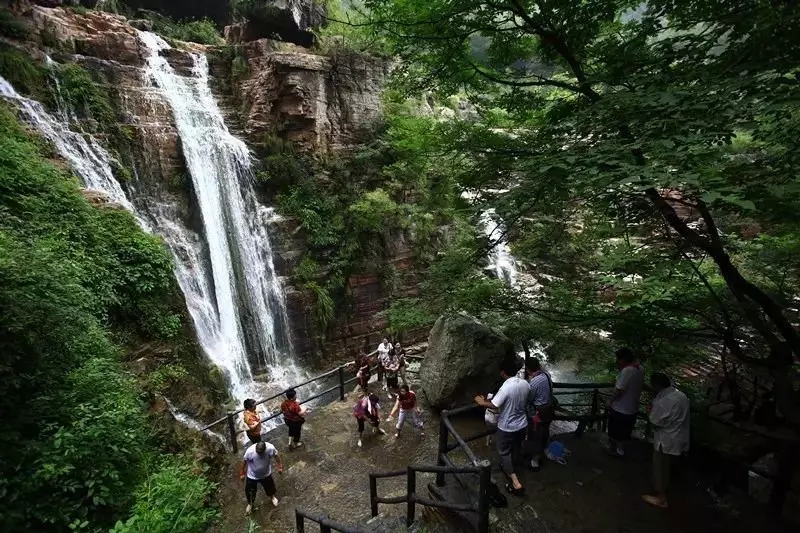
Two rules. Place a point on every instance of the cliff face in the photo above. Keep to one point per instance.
(318, 103)
(279, 90)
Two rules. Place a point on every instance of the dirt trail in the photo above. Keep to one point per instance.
(594, 493)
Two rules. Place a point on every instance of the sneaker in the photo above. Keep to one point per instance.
(274, 501)
(381, 431)
(291, 441)
(248, 509)
(535, 465)
(298, 445)
(359, 443)
(396, 435)
(620, 451)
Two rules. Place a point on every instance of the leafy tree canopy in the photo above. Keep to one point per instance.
(643, 157)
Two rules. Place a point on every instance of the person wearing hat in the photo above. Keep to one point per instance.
(257, 470)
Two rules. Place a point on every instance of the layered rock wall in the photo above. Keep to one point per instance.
(318, 103)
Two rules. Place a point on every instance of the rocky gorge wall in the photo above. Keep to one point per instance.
(280, 90)
(318, 104)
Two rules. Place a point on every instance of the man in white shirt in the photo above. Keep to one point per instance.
(624, 403)
(383, 355)
(670, 418)
(511, 401)
(257, 470)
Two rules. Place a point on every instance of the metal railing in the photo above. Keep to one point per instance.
(230, 418)
(326, 525)
(411, 498)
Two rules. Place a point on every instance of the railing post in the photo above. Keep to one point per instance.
(373, 495)
(324, 528)
(483, 497)
(595, 407)
(232, 432)
(299, 521)
(411, 489)
(341, 383)
(443, 439)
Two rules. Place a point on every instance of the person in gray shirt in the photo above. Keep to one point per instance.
(511, 401)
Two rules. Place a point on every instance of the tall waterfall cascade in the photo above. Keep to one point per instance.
(236, 281)
(226, 271)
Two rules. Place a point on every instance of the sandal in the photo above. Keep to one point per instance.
(515, 492)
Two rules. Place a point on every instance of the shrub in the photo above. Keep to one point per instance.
(19, 70)
(172, 499)
(12, 27)
(74, 424)
(84, 95)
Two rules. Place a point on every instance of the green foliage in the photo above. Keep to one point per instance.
(347, 30)
(172, 498)
(19, 70)
(160, 379)
(353, 207)
(11, 26)
(635, 158)
(202, 31)
(72, 278)
(84, 95)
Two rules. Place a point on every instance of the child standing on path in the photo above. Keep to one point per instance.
(368, 409)
(407, 404)
(252, 420)
(294, 417)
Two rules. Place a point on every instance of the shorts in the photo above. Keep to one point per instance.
(391, 381)
(374, 422)
(255, 439)
(251, 487)
(620, 425)
(295, 428)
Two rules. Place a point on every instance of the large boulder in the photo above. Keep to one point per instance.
(463, 359)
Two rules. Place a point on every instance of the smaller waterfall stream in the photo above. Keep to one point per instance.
(87, 158)
(501, 262)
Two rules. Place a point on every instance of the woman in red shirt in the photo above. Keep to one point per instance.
(294, 417)
(407, 404)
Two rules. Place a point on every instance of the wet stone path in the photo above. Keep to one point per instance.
(594, 493)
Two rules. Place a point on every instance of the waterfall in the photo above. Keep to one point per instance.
(236, 284)
(501, 262)
(230, 265)
(87, 158)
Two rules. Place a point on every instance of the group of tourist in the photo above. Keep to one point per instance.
(256, 468)
(524, 407)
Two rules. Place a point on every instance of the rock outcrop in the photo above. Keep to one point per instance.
(314, 101)
(463, 359)
(288, 20)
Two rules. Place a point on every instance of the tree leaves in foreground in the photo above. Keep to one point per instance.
(643, 156)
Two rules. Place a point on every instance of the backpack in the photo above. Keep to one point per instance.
(548, 412)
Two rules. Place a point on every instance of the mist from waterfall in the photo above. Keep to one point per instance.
(234, 294)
